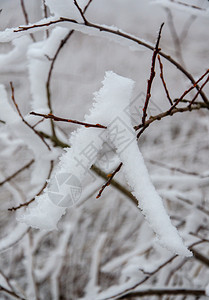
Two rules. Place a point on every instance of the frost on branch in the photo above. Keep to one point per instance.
(110, 109)
(39, 63)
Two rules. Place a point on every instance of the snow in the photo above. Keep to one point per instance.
(18, 128)
(39, 63)
(27, 136)
(43, 215)
(92, 287)
(118, 90)
(109, 32)
(15, 235)
(10, 34)
(7, 113)
(207, 290)
(110, 109)
(14, 60)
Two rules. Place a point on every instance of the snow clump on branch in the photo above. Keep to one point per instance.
(110, 109)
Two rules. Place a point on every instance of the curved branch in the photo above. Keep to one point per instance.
(125, 36)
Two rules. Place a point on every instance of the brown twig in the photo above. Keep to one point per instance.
(163, 81)
(168, 113)
(26, 17)
(152, 75)
(87, 6)
(195, 97)
(25, 28)
(109, 180)
(115, 184)
(55, 118)
(17, 172)
(38, 194)
(45, 15)
(48, 82)
(53, 59)
(24, 121)
(189, 90)
(81, 12)
(40, 121)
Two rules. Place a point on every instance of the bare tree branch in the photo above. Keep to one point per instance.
(163, 81)
(109, 180)
(58, 119)
(152, 75)
(39, 193)
(24, 121)
(26, 17)
(125, 36)
(17, 172)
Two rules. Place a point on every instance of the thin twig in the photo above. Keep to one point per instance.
(87, 6)
(169, 113)
(58, 119)
(25, 28)
(26, 17)
(53, 59)
(195, 97)
(163, 81)
(109, 180)
(17, 172)
(189, 90)
(37, 123)
(175, 169)
(24, 121)
(81, 12)
(45, 15)
(48, 82)
(38, 194)
(152, 75)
